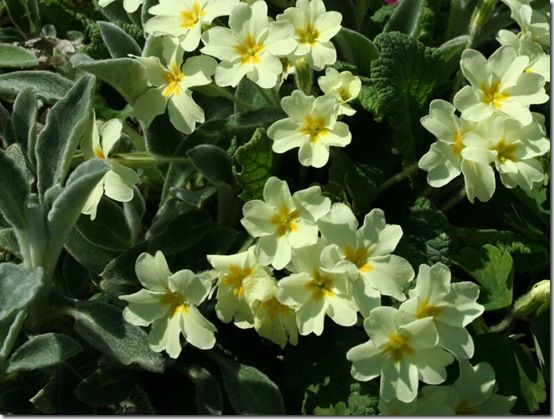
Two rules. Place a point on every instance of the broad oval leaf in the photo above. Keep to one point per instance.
(120, 44)
(406, 18)
(208, 394)
(104, 327)
(12, 56)
(43, 351)
(47, 85)
(250, 391)
(213, 162)
(105, 386)
(14, 192)
(356, 49)
(18, 287)
(58, 141)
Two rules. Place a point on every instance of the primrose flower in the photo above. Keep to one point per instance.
(242, 280)
(344, 86)
(451, 306)
(314, 27)
(401, 351)
(311, 125)
(472, 393)
(443, 160)
(365, 254)
(499, 86)
(118, 182)
(539, 61)
(168, 302)
(184, 19)
(130, 6)
(273, 320)
(282, 221)
(513, 149)
(531, 21)
(251, 47)
(170, 87)
(315, 290)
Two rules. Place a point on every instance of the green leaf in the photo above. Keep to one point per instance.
(403, 79)
(103, 327)
(118, 277)
(24, 118)
(9, 331)
(119, 43)
(493, 270)
(126, 75)
(105, 386)
(540, 331)
(250, 391)
(8, 241)
(356, 49)
(162, 137)
(256, 164)
(68, 205)
(406, 18)
(47, 85)
(14, 193)
(43, 351)
(247, 91)
(18, 287)
(359, 181)
(250, 120)
(67, 403)
(452, 47)
(516, 374)
(209, 400)
(213, 162)
(24, 14)
(58, 141)
(12, 56)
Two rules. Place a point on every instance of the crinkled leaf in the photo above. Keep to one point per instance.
(43, 351)
(256, 165)
(103, 327)
(18, 287)
(250, 391)
(119, 43)
(47, 85)
(57, 143)
(404, 77)
(105, 386)
(12, 56)
(493, 270)
(209, 400)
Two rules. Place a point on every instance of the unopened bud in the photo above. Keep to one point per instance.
(535, 301)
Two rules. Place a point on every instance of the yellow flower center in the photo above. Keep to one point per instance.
(426, 310)
(173, 79)
(505, 151)
(320, 286)
(358, 256)
(284, 220)
(314, 127)
(492, 95)
(192, 16)
(275, 309)
(235, 279)
(458, 144)
(249, 50)
(98, 152)
(398, 346)
(177, 303)
(463, 408)
(308, 34)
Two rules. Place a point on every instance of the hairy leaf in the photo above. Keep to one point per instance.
(119, 43)
(105, 386)
(12, 56)
(47, 85)
(18, 287)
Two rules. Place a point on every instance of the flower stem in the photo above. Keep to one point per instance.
(408, 171)
(223, 92)
(456, 199)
